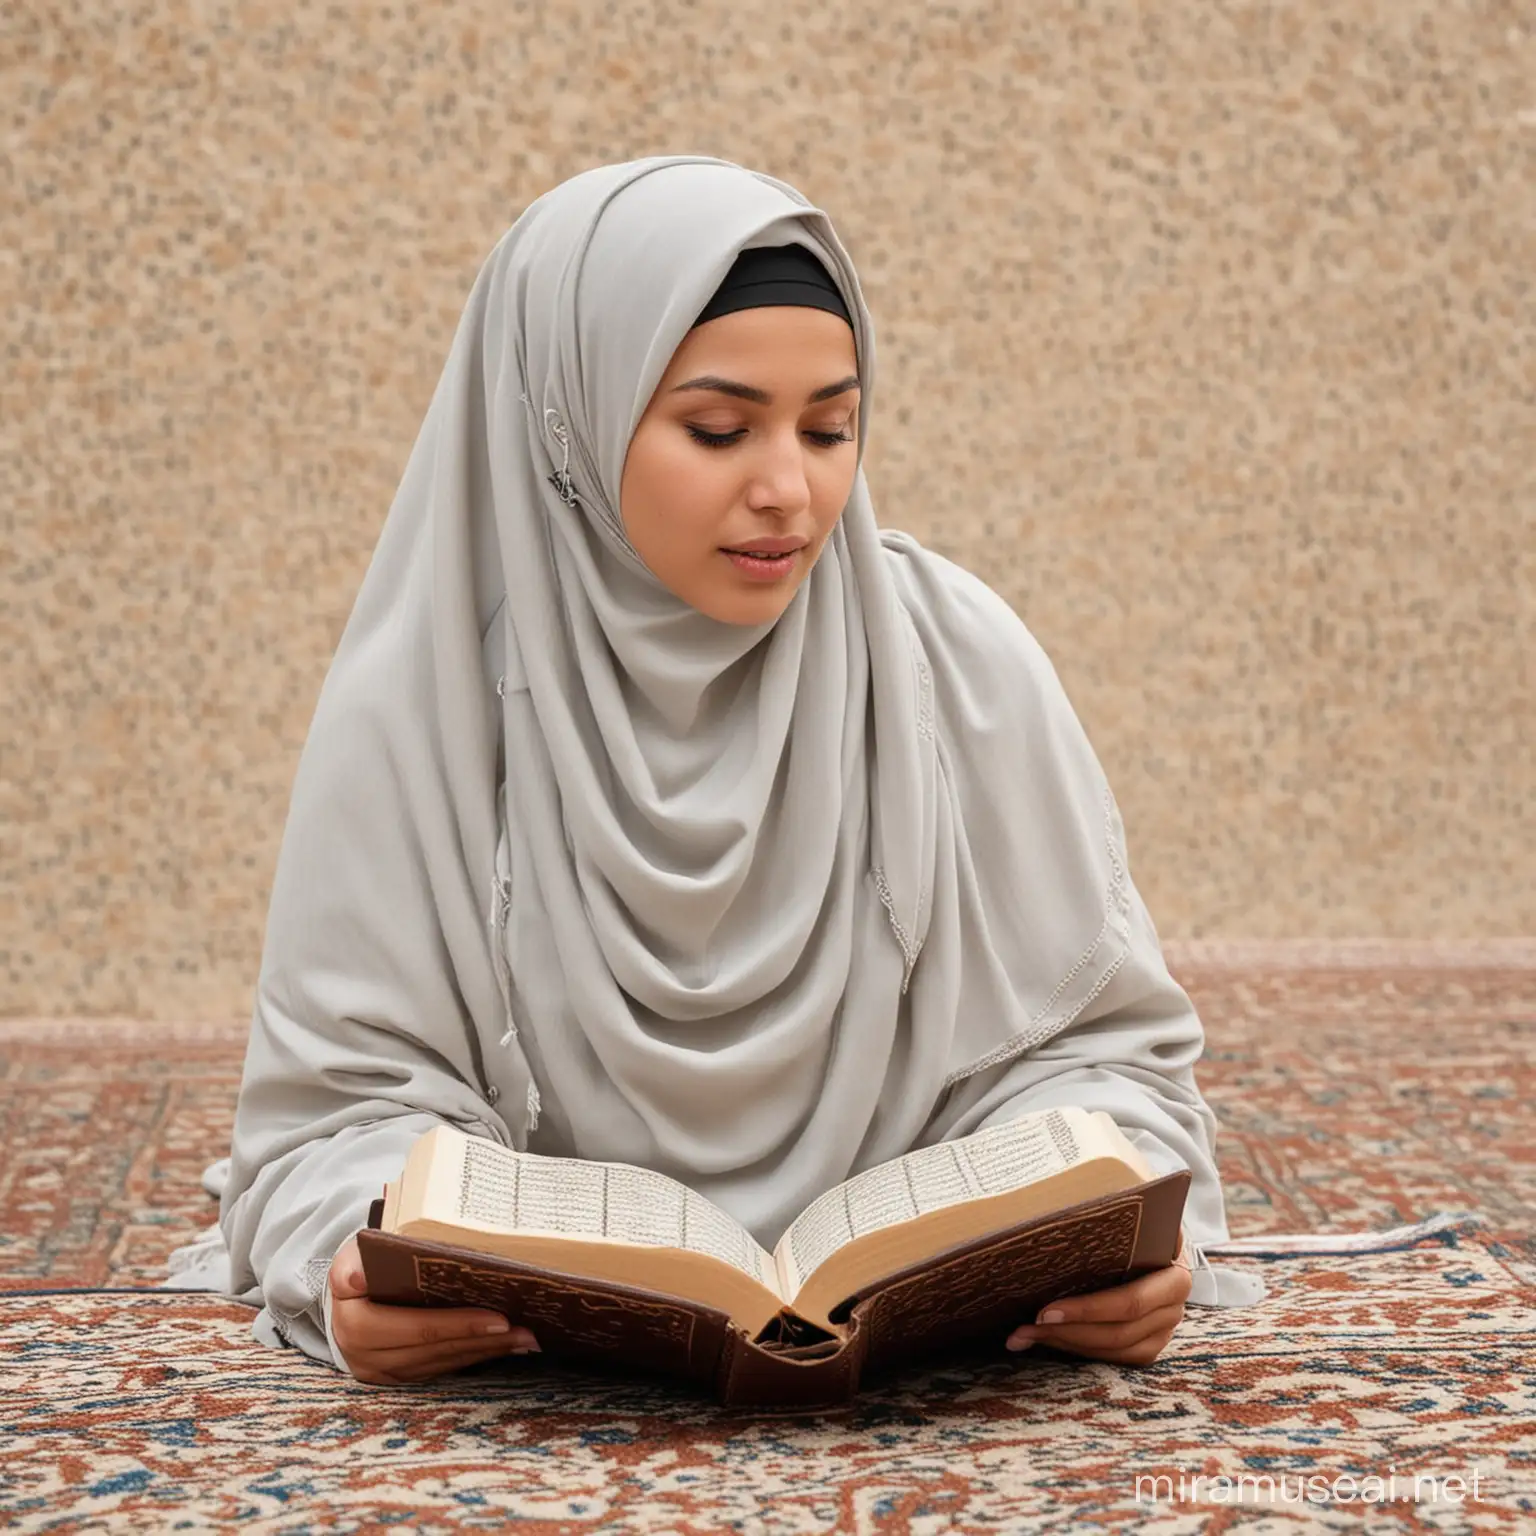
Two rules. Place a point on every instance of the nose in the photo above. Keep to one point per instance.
(779, 479)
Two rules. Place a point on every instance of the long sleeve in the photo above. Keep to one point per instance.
(297, 1213)
(379, 980)
(362, 1040)
(1131, 1053)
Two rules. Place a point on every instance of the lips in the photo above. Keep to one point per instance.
(766, 547)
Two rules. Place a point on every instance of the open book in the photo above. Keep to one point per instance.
(1056, 1201)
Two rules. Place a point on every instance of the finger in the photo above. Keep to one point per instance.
(346, 1276)
(1143, 1352)
(1123, 1303)
(379, 1327)
(402, 1366)
(1110, 1336)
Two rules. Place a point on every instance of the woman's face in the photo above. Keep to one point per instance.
(710, 468)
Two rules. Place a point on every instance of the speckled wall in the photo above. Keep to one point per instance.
(1207, 338)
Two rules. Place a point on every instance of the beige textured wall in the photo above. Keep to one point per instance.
(1207, 338)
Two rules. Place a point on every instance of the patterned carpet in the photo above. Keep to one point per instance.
(1361, 1092)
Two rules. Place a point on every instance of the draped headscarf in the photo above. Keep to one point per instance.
(573, 865)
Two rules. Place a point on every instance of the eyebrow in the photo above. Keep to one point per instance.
(761, 396)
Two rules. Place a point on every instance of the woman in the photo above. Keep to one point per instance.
(608, 842)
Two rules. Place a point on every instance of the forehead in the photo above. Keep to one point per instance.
(787, 341)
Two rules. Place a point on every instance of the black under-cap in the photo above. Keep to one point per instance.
(775, 274)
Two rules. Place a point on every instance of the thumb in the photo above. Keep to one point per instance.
(347, 1272)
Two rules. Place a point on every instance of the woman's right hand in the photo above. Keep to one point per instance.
(390, 1345)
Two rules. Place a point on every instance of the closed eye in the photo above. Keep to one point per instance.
(726, 439)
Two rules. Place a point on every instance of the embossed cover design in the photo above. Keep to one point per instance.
(960, 1296)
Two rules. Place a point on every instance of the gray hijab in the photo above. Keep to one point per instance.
(576, 867)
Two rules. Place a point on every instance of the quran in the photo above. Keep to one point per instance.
(614, 1266)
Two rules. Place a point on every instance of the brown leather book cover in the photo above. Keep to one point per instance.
(969, 1297)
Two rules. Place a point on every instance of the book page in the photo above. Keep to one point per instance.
(990, 1162)
(572, 1197)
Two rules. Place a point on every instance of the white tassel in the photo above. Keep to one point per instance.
(1342, 1242)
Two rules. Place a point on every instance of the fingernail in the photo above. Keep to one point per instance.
(1021, 1340)
(1054, 1315)
(527, 1349)
(499, 1325)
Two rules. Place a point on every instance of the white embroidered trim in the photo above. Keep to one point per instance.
(901, 933)
(924, 700)
(317, 1273)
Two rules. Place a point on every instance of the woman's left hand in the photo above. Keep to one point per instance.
(1128, 1324)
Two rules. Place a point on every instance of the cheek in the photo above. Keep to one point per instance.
(831, 491)
(675, 489)
(839, 480)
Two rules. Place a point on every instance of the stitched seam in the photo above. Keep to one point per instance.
(501, 907)
(925, 729)
(901, 933)
(1115, 898)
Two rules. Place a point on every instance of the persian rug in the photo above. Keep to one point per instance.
(1359, 1089)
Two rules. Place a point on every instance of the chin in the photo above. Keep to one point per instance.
(728, 602)
(750, 613)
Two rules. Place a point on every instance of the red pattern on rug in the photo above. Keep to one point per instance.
(1349, 1099)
